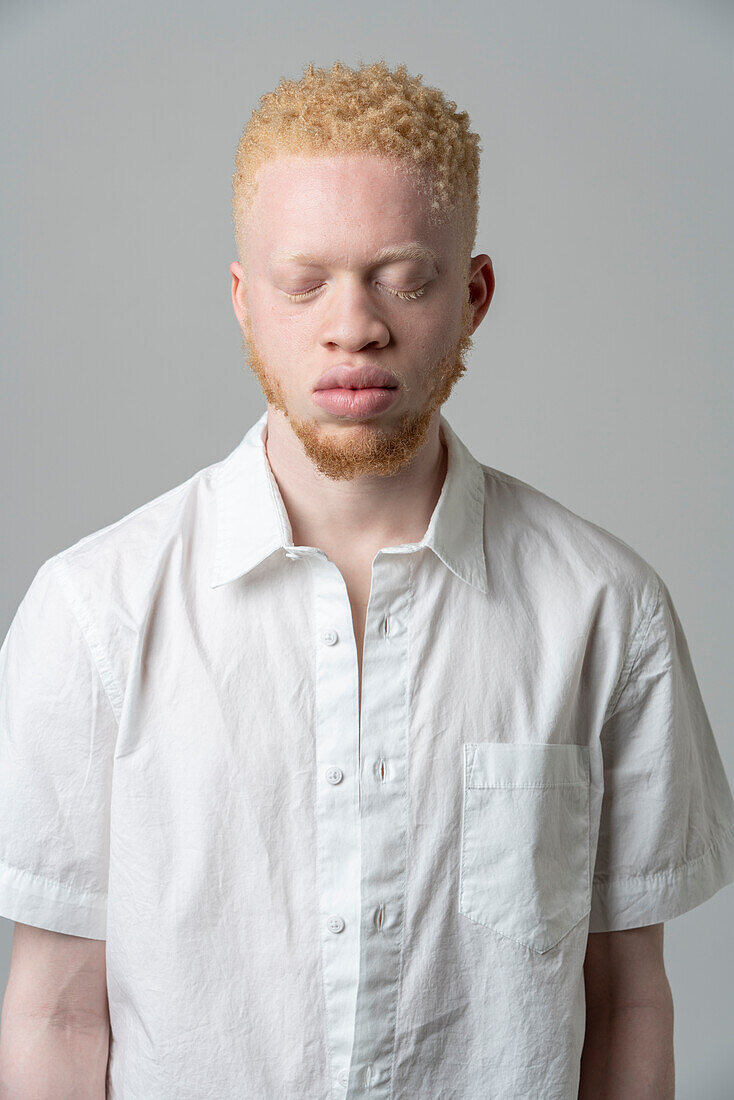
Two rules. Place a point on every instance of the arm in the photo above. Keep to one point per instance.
(628, 1050)
(54, 1030)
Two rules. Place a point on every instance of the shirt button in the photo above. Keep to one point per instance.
(329, 637)
(335, 924)
(334, 775)
(343, 1077)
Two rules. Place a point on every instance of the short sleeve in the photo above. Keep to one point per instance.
(666, 835)
(57, 735)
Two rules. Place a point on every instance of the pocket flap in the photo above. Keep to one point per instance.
(509, 764)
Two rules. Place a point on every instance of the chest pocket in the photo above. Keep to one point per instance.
(525, 840)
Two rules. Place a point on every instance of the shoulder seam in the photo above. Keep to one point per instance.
(99, 659)
(634, 648)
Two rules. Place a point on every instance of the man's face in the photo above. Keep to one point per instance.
(316, 230)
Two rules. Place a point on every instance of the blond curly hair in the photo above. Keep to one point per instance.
(372, 109)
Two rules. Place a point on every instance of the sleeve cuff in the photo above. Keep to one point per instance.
(29, 899)
(638, 900)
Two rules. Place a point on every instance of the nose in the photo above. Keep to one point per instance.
(352, 320)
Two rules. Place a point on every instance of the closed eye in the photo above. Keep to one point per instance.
(410, 295)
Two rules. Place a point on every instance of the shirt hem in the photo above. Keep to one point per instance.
(638, 900)
(30, 899)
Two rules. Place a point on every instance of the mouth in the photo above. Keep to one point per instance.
(355, 403)
(361, 377)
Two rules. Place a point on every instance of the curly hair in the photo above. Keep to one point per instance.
(374, 110)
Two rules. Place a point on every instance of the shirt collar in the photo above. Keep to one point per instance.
(252, 521)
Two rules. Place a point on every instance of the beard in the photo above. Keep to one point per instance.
(368, 448)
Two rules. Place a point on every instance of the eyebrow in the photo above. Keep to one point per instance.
(412, 251)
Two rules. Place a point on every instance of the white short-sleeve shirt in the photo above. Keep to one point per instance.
(297, 907)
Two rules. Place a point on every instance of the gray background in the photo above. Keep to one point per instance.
(601, 374)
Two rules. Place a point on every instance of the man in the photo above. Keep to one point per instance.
(351, 766)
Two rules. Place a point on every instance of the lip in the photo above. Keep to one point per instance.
(356, 378)
(356, 404)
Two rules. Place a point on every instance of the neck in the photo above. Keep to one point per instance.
(365, 513)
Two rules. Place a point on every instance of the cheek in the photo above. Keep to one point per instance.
(273, 329)
(437, 330)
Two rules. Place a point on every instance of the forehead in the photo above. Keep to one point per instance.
(353, 202)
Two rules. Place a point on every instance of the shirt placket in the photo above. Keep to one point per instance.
(362, 835)
(336, 717)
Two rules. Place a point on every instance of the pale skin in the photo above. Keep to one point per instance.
(343, 211)
(55, 1027)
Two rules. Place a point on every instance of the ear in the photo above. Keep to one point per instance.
(239, 292)
(481, 286)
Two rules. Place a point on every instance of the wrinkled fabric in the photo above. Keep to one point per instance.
(300, 905)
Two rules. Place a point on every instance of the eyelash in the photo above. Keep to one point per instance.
(409, 295)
